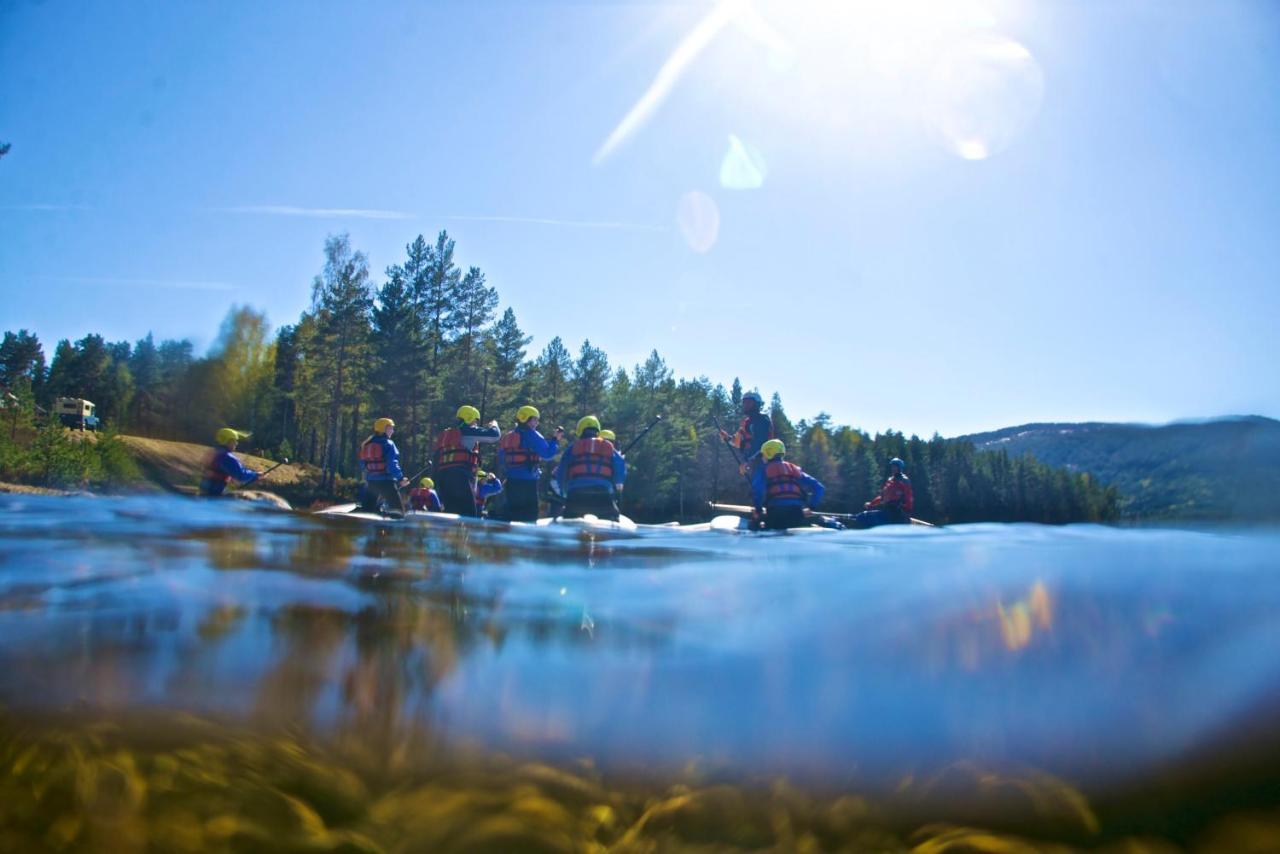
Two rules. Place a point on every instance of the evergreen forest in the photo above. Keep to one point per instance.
(430, 335)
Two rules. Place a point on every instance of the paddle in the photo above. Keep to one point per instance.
(283, 461)
(743, 509)
(720, 431)
(657, 419)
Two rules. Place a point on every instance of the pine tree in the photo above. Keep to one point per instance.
(590, 375)
(342, 302)
(782, 428)
(551, 387)
(473, 308)
(506, 344)
(21, 362)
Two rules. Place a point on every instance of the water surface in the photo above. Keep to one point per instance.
(1081, 663)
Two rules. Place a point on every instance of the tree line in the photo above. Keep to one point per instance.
(429, 337)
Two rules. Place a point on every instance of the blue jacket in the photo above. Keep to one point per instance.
(530, 440)
(486, 489)
(226, 463)
(390, 456)
(567, 486)
(808, 483)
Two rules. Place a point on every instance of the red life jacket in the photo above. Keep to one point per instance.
(212, 471)
(371, 454)
(742, 439)
(898, 491)
(420, 498)
(514, 454)
(450, 453)
(591, 458)
(782, 482)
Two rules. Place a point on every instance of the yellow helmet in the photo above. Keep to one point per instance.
(468, 414)
(524, 413)
(588, 422)
(772, 448)
(227, 435)
(381, 425)
(609, 434)
(428, 483)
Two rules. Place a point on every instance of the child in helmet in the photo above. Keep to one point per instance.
(591, 474)
(223, 465)
(423, 497)
(520, 454)
(487, 486)
(781, 490)
(456, 459)
(380, 462)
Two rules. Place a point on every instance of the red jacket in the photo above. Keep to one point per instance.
(896, 490)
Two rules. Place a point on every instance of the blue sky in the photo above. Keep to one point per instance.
(951, 217)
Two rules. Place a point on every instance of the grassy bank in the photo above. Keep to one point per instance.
(52, 459)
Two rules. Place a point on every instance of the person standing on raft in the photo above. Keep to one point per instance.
(520, 453)
(893, 505)
(752, 433)
(590, 474)
(423, 497)
(380, 462)
(456, 459)
(223, 465)
(781, 491)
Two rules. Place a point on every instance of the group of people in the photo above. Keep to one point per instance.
(785, 496)
(588, 479)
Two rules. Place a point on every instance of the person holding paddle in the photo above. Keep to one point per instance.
(781, 491)
(752, 433)
(591, 474)
(520, 454)
(380, 462)
(456, 459)
(223, 465)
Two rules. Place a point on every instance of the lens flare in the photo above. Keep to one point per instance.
(698, 217)
(985, 91)
(743, 166)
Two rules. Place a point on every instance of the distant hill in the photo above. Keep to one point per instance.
(1225, 468)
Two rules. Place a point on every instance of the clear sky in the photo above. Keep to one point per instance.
(937, 216)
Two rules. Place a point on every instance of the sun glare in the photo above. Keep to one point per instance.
(881, 70)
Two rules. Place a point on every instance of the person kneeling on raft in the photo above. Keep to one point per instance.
(893, 505)
(223, 465)
(520, 453)
(424, 497)
(456, 459)
(781, 490)
(380, 462)
(590, 474)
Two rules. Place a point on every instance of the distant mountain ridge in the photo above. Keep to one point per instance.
(1218, 468)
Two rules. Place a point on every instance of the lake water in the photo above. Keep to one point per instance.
(183, 674)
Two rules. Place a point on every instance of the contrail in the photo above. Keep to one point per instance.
(341, 213)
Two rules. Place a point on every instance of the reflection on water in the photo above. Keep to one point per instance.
(185, 675)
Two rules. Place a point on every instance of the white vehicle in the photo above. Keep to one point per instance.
(76, 413)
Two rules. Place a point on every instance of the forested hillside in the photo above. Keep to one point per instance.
(1227, 468)
(431, 336)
